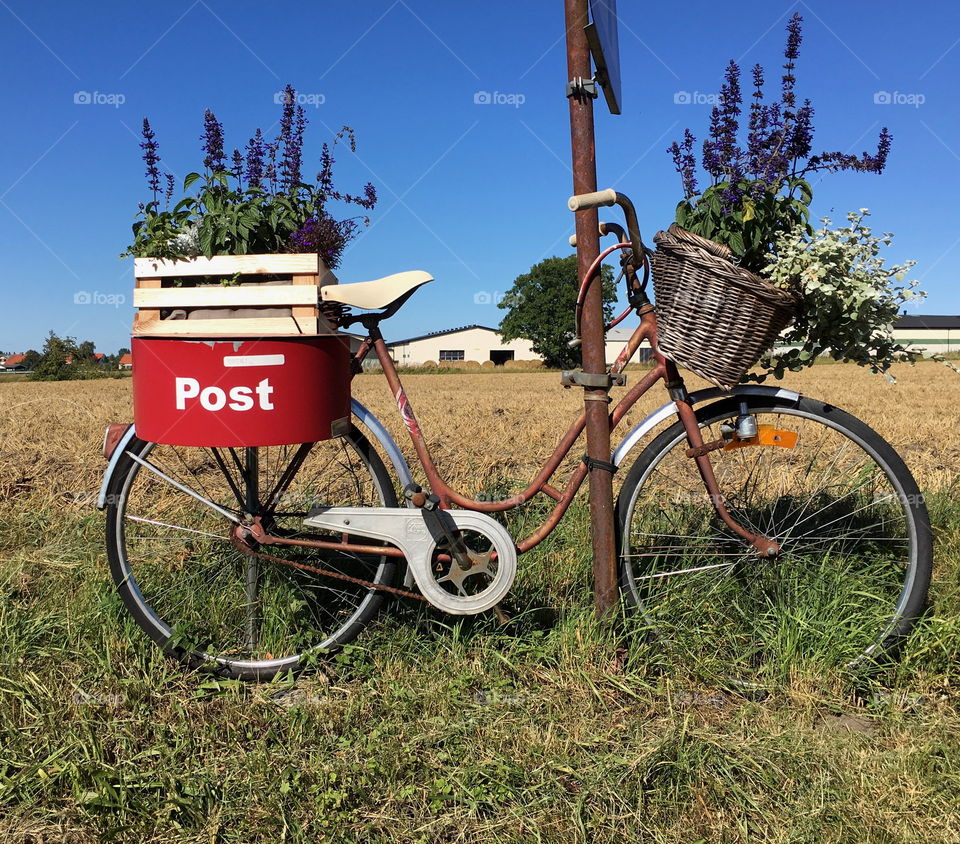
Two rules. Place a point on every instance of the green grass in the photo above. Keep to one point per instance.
(552, 727)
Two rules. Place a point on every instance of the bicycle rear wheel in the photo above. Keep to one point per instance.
(204, 601)
(855, 560)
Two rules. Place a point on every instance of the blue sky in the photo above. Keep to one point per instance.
(474, 193)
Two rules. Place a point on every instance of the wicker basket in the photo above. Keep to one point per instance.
(714, 318)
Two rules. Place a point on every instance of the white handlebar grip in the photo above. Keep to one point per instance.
(592, 200)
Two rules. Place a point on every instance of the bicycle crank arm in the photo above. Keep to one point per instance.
(457, 591)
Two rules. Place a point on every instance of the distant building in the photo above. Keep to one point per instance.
(14, 363)
(480, 343)
(617, 338)
(469, 342)
(935, 333)
(125, 362)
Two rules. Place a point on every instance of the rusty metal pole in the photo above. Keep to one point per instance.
(583, 148)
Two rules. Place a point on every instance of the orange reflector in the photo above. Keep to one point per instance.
(766, 435)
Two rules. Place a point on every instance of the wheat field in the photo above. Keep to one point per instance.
(478, 425)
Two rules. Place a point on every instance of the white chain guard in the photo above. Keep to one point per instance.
(411, 531)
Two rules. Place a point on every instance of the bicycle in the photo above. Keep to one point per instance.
(780, 521)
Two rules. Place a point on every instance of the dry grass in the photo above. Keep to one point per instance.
(481, 428)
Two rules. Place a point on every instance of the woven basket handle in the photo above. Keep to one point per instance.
(716, 249)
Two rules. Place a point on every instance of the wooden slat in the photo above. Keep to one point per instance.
(215, 295)
(299, 264)
(243, 327)
(148, 284)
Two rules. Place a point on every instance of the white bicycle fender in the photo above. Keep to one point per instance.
(639, 431)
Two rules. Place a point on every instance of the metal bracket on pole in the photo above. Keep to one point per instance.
(602, 381)
(580, 88)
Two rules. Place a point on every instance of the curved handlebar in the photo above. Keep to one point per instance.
(584, 201)
(605, 229)
(611, 197)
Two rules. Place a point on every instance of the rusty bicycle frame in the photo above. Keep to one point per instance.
(663, 370)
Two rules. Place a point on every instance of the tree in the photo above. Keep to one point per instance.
(86, 351)
(541, 307)
(63, 359)
(53, 364)
(31, 358)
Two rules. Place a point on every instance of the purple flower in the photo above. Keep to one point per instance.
(212, 142)
(758, 126)
(790, 53)
(254, 162)
(773, 161)
(270, 167)
(686, 163)
(721, 155)
(836, 161)
(712, 161)
(169, 192)
(237, 169)
(794, 37)
(151, 157)
(883, 150)
(323, 235)
(293, 151)
(801, 135)
(730, 111)
(731, 197)
(293, 121)
(325, 176)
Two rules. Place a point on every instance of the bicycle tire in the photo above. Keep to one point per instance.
(322, 614)
(826, 598)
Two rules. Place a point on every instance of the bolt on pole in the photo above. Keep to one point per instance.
(583, 148)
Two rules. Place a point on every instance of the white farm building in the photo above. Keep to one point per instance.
(480, 343)
(470, 342)
(935, 333)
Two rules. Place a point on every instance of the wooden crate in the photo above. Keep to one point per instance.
(302, 295)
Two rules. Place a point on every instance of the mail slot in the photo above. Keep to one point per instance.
(241, 392)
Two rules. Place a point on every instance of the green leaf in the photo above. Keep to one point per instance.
(189, 179)
(735, 242)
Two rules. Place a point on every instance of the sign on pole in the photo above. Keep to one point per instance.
(605, 48)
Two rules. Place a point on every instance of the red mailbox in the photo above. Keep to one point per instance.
(241, 392)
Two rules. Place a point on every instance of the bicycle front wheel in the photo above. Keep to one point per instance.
(171, 512)
(855, 560)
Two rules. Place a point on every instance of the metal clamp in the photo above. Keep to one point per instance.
(592, 380)
(579, 87)
(592, 463)
(678, 391)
